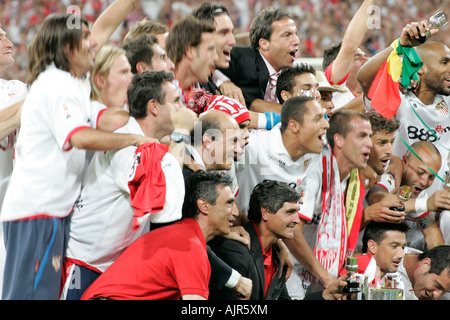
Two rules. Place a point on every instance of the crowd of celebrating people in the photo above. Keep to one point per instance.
(165, 150)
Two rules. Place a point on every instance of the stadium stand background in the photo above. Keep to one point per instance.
(320, 22)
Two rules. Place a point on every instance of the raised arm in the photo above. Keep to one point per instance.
(353, 37)
(110, 19)
(369, 70)
(408, 38)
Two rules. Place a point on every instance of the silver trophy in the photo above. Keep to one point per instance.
(351, 265)
(437, 20)
(447, 181)
(390, 291)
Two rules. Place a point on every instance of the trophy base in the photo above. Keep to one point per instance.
(385, 294)
(352, 286)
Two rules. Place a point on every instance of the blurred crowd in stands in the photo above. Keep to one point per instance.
(321, 23)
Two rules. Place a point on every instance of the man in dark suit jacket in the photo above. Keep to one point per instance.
(273, 214)
(274, 45)
(248, 71)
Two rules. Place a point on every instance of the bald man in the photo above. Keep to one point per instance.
(214, 141)
(423, 111)
(419, 163)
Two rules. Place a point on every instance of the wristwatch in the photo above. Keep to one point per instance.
(178, 137)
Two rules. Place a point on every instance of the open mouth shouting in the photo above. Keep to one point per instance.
(227, 54)
(293, 54)
(385, 161)
(417, 190)
(396, 263)
(365, 156)
(322, 139)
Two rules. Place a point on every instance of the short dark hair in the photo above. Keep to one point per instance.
(341, 123)
(140, 49)
(376, 231)
(184, 34)
(272, 195)
(202, 185)
(293, 108)
(287, 75)
(380, 123)
(261, 27)
(208, 11)
(440, 259)
(330, 54)
(145, 87)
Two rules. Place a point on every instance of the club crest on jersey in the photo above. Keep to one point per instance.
(442, 107)
(66, 109)
(306, 164)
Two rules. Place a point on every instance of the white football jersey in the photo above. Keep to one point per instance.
(101, 225)
(47, 172)
(266, 158)
(11, 92)
(420, 122)
(340, 99)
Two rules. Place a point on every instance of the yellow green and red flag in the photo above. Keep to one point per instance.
(400, 68)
